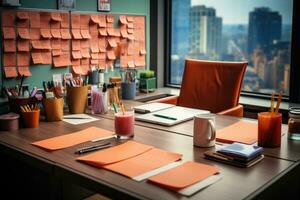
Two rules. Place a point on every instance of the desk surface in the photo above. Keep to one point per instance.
(236, 183)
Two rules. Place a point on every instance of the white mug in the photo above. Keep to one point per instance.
(204, 130)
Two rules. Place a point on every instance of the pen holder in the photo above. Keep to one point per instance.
(31, 119)
(54, 109)
(77, 97)
(128, 90)
(16, 102)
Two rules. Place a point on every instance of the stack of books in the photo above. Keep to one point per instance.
(237, 154)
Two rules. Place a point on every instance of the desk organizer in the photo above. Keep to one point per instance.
(9, 122)
(128, 90)
(31, 119)
(16, 102)
(77, 98)
(54, 109)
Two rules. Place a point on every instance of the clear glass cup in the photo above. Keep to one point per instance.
(124, 124)
(269, 129)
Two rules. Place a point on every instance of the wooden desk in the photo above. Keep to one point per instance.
(259, 181)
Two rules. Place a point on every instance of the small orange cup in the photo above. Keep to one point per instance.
(31, 119)
(269, 129)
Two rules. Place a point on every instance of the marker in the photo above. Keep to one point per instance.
(93, 148)
(165, 117)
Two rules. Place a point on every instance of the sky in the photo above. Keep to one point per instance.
(237, 11)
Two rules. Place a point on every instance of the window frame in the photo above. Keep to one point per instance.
(294, 90)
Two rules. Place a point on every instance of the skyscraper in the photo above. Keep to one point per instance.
(205, 33)
(264, 29)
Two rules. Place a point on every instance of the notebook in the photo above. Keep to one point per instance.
(171, 116)
(152, 107)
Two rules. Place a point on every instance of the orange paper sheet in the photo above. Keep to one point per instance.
(9, 60)
(124, 33)
(8, 18)
(75, 62)
(94, 62)
(130, 31)
(85, 61)
(130, 18)
(130, 25)
(85, 69)
(55, 33)
(45, 33)
(115, 154)
(34, 19)
(35, 33)
(148, 161)
(95, 55)
(9, 45)
(102, 56)
(24, 70)
(76, 34)
(65, 34)
(244, 132)
(72, 139)
(131, 64)
(85, 34)
(139, 61)
(23, 45)
(23, 33)
(184, 175)
(8, 33)
(10, 72)
(23, 59)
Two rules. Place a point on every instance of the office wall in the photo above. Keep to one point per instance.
(44, 72)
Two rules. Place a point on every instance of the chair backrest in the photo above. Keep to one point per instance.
(211, 85)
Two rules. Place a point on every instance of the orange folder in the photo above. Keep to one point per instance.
(148, 161)
(244, 132)
(115, 154)
(71, 139)
(184, 175)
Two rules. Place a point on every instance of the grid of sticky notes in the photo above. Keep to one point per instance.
(98, 40)
(32, 37)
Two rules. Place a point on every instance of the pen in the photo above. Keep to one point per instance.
(77, 118)
(165, 117)
(93, 148)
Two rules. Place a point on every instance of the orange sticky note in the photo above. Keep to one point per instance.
(130, 36)
(24, 70)
(9, 60)
(23, 33)
(62, 61)
(8, 33)
(95, 19)
(8, 18)
(102, 31)
(23, 45)
(130, 18)
(102, 20)
(148, 161)
(55, 16)
(36, 57)
(115, 154)
(35, 33)
(112, 42)
(130, 30)
(184, 175)
(23, 59)
(94, 45)
(75, 20)
(110, 31)
(55, 44)
(46, 57)
(76, 45)
(95, 55)
(65, 34)
(139, 61)
(85, 53)
(94, 62)
(143, 52)
(111, 55)
(34, 19)
(45, 33)
(56, 52)
(72, 139)
(131, 64)
(110, 18)
(84, 44)
(85, 69)
(22, 15)
(75, 62)
(65, 45)
(41, 44)
(123, 19)
(85, 34)
(64, 20)
(10, 72)
(244, 132)
(84, 21)
(102, 64)
(77, 69)
(102, 56)
(55, 33)
(76, 34)
(124, 33)
(45, 19)
(9, 45)
(76, 55)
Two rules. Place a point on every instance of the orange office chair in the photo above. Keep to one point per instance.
(211, 85)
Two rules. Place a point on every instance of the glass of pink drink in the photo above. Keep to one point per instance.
(124, 124)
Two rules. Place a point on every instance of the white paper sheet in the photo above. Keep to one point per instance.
(79, 119)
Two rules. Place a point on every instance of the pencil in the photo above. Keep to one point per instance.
(272, 103)
(278, 102)
(116, 95)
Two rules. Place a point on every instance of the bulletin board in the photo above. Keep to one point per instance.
(63, 39)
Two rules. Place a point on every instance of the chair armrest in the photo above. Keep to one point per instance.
(237, 111)
(168, 100)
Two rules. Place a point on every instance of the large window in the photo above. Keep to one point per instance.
(234, 30)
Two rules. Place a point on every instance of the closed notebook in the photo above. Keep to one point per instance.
(71, 139)
(115, 154)
(143, 163)
(240, 150)
(243, 132)
(184, 175)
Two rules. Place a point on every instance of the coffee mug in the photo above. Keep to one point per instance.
(204, 130)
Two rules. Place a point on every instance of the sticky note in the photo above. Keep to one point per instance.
(23, 33)
(8, 18)
(94, 45)
(35, 33)
(76, 34)
(110, 18)
(9, 59)
(76, 45)
(8, 33)
(84, 43)
(64, 24)
(65, 45)
(95, 19)
(56, 52)
(65, 34)
(55, 44)
(84, 21)
(112, 42)
(34, 19)
(76, 54)
(102, 31)
(45, 33)
(24, 70)
(23, 45)
(22, 15)
(123, 19)
(55, 33)
(55, 16)
(36, 57)
(10, 72)
(23, 59)
(111, 55)
(102, 21)
(85, 34)
(44, 20)
(85, 53)
(75, 21)
(9, 46)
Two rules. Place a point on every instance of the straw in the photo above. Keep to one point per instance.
(272, 103)
(116, 95)
(278, 102)
(122, 107)
(114, 106)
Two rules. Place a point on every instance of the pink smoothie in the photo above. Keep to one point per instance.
(124, 124)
